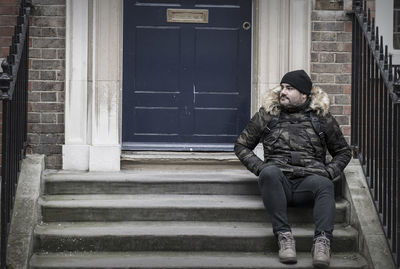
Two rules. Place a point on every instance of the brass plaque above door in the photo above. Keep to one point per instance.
(187, 15)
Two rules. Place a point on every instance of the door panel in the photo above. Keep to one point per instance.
(216, 66)
(223, 123)
(158, 68)
(185, 84)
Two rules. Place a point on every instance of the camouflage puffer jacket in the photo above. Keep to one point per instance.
(292, 143)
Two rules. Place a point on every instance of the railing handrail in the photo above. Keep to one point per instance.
(389, 72)
(10, 64)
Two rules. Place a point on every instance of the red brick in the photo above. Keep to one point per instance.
(52, 21)
(336, 110)
(342, 100)
(347, 89)
(314, 57)
(8, 10)
(347, 68)
(347, 110)
(344, 47)
(342, 120)
(333, 89)
(324, 46)
(349, 47)
(326, 78)
(9, 2)
(343, 79)
(326, 68)
(6, 31)
(4, 52)
(328, 26)
(346, 130)
(327, 58)
(343, 58)
(344, 37)
(323, 36)
(8, 20)
(5, 41)
(322, 15)
(348, 26)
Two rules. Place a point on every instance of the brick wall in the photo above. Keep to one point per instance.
(8, 19)
(46, 80)
(331, 61)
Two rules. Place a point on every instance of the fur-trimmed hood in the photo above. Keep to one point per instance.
(319, 101)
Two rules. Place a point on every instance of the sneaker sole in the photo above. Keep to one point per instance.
(288, 260)
(320, 264)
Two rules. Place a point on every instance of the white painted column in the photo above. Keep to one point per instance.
(105, 148)
(300, 35)
(273, 47)
(76, 149)
(283, 36)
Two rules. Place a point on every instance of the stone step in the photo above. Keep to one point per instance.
(202, 181)
(68, 208)
(177, 236)
(185, 260)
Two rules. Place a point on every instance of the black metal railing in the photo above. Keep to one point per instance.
(375, 120)
(14, 89)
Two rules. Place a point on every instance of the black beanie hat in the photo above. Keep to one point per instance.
(299, 80)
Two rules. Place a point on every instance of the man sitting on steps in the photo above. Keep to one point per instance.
(296, 129)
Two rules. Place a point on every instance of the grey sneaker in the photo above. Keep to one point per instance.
(287, 247)
(321, 252)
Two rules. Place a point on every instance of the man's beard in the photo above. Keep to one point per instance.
(287, 104)
(293, 106)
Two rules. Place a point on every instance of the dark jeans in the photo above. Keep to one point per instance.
(278, 193)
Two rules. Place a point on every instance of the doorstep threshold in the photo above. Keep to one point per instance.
(143, 156)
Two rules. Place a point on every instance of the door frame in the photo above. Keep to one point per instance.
(130, 143)
(93, 84)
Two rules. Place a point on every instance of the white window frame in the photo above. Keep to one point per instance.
(384, 20)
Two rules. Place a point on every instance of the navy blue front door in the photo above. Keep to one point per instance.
(186, 76)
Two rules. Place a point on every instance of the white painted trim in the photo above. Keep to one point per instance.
(384, 20)
(254, 57)
(106, 86)
(300, 35)
(75, 151)
(284, 43)
(75, 157)
(76, 72)
(93, 85)
(105, 158)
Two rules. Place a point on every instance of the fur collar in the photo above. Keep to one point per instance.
(319, 101)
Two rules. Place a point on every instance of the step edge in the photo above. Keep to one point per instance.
(356, 258)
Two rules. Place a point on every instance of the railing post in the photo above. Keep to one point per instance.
(5, 79)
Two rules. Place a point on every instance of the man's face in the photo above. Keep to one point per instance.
(290, 97)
